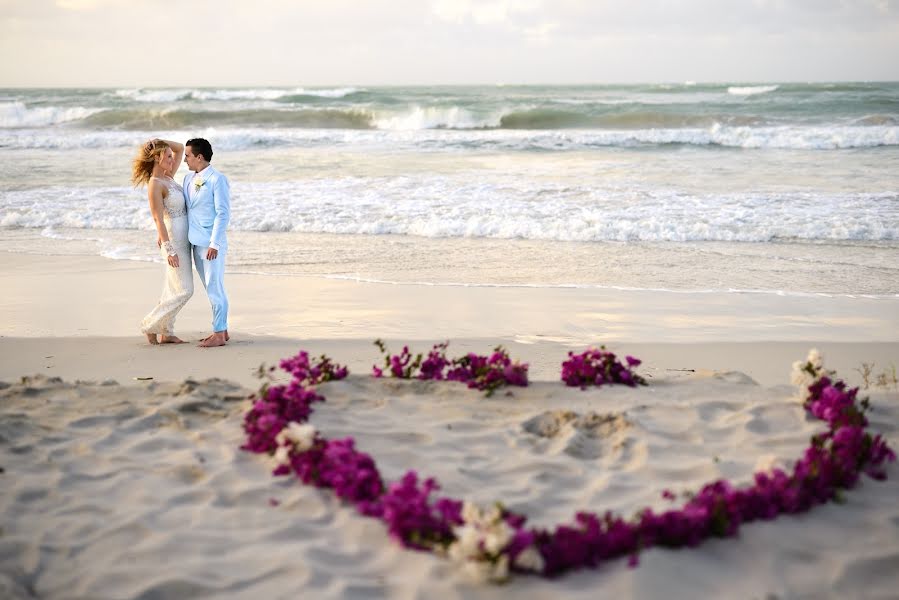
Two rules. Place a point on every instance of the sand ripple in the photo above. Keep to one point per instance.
(140, 491)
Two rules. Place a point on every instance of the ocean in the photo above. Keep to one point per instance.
(781, 188)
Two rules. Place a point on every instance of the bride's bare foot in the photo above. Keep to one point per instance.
(216, 339)
(151, 337)
(171, 339)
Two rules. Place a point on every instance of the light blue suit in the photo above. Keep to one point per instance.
(208, 213)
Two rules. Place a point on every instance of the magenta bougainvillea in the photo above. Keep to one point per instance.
(486, 373)
(494, 542)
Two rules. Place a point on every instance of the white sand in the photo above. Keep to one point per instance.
(138, 489)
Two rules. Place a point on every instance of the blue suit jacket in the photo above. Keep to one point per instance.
(209, 209)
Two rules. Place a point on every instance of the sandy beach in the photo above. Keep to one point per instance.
(120, 486)
(556, 202)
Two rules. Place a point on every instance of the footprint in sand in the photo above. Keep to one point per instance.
(586, 436)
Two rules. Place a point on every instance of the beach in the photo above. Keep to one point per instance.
(716, 232)
(122, 486)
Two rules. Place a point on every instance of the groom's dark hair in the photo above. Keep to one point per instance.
(201, 146)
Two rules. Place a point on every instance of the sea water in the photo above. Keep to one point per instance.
(781, 188)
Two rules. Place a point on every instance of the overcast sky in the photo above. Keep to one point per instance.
(201, 43)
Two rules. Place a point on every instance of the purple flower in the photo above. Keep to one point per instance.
(833, 461)
(478, 372)
(599, 367)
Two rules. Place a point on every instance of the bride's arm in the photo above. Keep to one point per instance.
(178, 151)
(157, 209)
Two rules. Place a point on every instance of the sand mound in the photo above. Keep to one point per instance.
(141, 491)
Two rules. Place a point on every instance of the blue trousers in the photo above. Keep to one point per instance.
(212, 274)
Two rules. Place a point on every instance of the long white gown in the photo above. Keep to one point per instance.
(178, 285)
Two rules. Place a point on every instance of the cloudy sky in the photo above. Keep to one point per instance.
(203, 43)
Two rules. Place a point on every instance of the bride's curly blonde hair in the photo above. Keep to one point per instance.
(147, 157)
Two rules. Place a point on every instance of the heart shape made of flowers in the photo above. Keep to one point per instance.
(495, 542)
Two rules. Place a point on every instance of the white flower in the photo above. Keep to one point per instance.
(295, 437)
(530, 559)
(300, 436)
(477, 570)
(797, 374)
(497, 537)
(500, 571)
(496, 572)
(198, 183)
(470, 512)
(467, 543)
(282, 455)
(495, 514)
(800, 375)
(815, 358)
(807, 372)
(480, 543)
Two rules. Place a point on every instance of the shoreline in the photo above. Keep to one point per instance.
(91, 358)
(841, 269)
(58, 296)
(76, 317)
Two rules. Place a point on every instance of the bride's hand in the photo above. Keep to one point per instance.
(173, 261)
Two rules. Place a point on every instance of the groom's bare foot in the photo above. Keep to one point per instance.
(151, 337)
(171, 339)
(216, 339)
(227, 337)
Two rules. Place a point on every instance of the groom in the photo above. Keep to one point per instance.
(208, 198)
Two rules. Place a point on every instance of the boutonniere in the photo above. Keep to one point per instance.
(198, 183)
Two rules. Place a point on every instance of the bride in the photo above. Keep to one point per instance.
(156, 162)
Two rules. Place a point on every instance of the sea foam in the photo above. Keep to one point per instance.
(500, 207)
(751, 90)
(184, 94)
(396, 137)
(16, 114)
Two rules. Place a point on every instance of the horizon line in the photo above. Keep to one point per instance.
(688, 82)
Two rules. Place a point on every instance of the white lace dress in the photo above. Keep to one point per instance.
(178, 285)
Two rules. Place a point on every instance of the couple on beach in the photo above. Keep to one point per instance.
(190, 220)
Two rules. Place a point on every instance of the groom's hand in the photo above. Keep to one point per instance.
(211, 254)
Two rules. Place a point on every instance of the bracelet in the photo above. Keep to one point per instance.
(169, 248)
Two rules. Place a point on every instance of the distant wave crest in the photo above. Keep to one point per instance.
(335, 133)
(141, 119)
(175, 95)
(751, 90)
(16, 114)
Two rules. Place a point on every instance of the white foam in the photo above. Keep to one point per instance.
(421, 132)
(327, 93)
(596, 286)
(156, 96)
(16, 114)
(174, 95)
(75, 208)
(497, 206)
(258, 94)
(51, 233)
(419, 118)
(751, 90)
